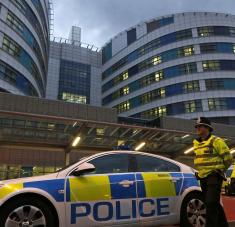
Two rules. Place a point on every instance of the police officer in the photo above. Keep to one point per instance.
(212, 159)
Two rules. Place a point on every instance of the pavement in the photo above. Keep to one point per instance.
(229, 207)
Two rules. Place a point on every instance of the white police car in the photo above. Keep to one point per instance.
(118, 188)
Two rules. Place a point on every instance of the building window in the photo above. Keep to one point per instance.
(125, 76)
(205, 31)
(31, 17)
(12, 48)
(153, 25)
(150, 62)
(191, 86)
(68, 97)
(162, 93)
(123, 107)
(157, 60)
(149, 47)
(28, 37)
(14, 22)
(153, 78)
(217, 104)
(188, 51)
(126, 90)
(232, 31)
(154, 113)
(131, 36)
(220, 84)
(190, 107)
(158, 76)
(11, 76)
(75, 80)
(211, 65)
(107, 52)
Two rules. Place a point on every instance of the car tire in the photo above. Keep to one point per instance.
(27, 210)
(193, 211)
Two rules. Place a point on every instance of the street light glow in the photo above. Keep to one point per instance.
(189, 150)
(76, 141)
(186, 136)
(140, 146)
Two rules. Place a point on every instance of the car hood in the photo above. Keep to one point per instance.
(30, 179)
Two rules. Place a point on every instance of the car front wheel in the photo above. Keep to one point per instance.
(193, 211)
(27, 212)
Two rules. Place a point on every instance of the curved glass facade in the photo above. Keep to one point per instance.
(151, 71)
(24, 26)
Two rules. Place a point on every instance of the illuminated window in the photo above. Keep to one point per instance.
(217, 104)
(68, 97)
(100, 131)
(126, 90)
(205, 31)
(211, 65)
(157, 60)
(158, 76)
(162, 92)
(125, 76)
(191, 86)
(123, 107)
(160, 111)
(190, 107)
(188, 51)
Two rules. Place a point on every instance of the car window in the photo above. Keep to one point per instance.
(113, 163)
(228, 173)
(152, 164)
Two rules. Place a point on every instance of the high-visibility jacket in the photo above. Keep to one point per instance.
(233, 172)
(211, 155)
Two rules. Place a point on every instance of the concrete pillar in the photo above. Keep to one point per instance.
(194, 31)
(67, 158)
(199, 67)
(197, 49)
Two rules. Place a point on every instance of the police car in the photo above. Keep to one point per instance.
(117, 188)
(229, 185)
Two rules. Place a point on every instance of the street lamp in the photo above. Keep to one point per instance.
(189, 150)
(76, 141)
(140, 146)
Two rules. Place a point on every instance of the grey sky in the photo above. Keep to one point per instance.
(100, 20)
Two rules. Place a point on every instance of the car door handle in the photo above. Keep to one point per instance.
(126, 183)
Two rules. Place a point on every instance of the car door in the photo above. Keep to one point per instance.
(158, 187)
(104, 197)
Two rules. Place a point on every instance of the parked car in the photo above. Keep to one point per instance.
(117, 188)
(230, 184)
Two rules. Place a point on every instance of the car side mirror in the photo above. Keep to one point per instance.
(83, 168)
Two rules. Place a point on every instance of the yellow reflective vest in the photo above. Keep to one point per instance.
(233, 173)
(211, 155)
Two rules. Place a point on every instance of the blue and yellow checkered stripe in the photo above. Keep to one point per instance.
(107, 187)
(147, 185)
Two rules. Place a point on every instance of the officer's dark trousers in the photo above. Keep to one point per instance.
(211, 188)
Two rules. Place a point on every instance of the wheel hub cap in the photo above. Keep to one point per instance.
(26, 216)
(196, 213)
